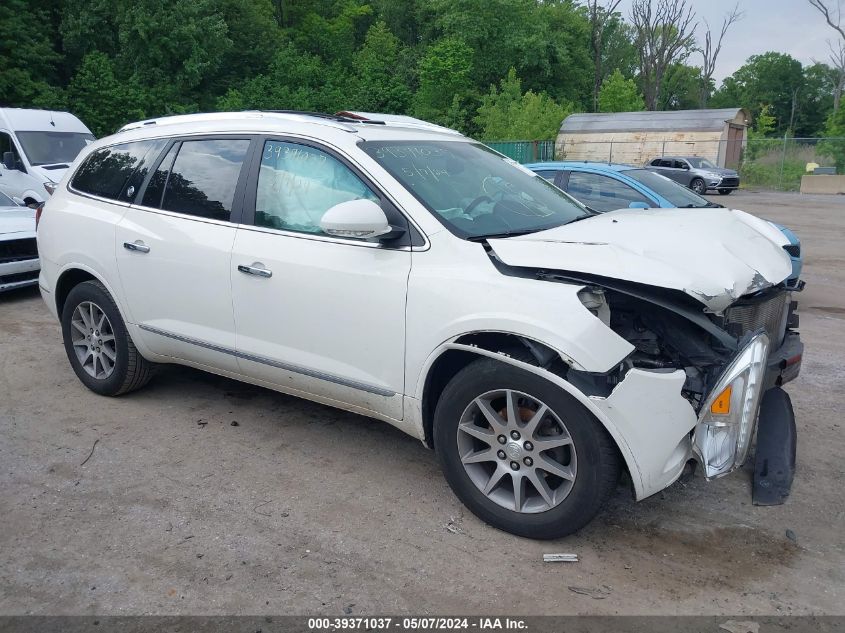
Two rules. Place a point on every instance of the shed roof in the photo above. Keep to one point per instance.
(659, 121)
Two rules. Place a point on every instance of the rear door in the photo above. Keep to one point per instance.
(174, 245)
(317, 314)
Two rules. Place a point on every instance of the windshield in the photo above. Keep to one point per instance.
(6, 201)
(51, 148)
(677, 195)
(474, 191)
(701, 163)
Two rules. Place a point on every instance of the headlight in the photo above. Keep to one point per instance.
(50, 187)
(726, 422)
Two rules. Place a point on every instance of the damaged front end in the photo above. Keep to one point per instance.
(730, 360)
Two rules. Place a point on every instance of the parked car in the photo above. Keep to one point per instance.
(607, 186)
(18, 252)
(699, 174)
(36, 147)
(410, 274)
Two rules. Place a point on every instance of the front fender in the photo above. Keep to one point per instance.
(646, 416)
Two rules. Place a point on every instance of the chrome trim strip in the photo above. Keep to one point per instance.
(273, 363)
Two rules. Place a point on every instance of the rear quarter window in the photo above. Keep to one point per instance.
(116, 172)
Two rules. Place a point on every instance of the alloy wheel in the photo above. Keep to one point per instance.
(517, 451)
(93, 340)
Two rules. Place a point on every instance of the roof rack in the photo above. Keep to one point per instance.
(345, 119)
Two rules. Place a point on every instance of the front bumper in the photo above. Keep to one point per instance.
(722, 183)
(17, 274)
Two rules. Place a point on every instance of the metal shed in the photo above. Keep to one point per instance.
(637, 137)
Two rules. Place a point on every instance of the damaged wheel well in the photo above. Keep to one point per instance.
(452, 361)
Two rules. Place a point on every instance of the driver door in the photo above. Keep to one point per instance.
(317, 315)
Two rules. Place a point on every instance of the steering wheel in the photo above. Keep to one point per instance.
(476, 202)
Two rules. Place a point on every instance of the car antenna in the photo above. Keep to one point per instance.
(52, 122)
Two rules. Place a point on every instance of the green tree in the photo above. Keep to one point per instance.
(444, 74)
(772, 78)
(506, 113)
(27, 59)
(681, 88)
(381, 74)
(618, 94)
(98, 98)
(835, 145)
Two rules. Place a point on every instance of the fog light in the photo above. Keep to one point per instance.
(726, 423)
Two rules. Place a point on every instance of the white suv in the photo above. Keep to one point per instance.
(402, 271)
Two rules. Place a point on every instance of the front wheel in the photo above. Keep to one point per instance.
(725, 192)
(522, 454)
(698, 186)
(98, 346)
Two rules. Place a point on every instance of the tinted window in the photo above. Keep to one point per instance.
(155, 188)
(204, 176)
(603, 193)
(106, 172)
(297, 184)
(548, 174)
(6, 145)
(677, 195)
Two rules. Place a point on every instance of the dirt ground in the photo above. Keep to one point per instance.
(300, 508)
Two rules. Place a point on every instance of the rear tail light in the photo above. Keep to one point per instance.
(38, 211)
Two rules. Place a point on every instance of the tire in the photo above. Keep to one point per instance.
(725, 192)
(129, 370)
(592, 457)
(698, 186)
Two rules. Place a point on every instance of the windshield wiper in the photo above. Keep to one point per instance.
(582, 217)
(493, 236)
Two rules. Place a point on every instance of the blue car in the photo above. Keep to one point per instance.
(607, 186)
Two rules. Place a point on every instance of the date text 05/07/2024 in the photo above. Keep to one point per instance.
(415, 623)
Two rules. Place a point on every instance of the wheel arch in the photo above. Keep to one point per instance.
(457, 354)
(75, 274)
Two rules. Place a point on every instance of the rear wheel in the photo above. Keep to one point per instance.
(725, 192)
(97, 344)
(521, 453)
(698, 186)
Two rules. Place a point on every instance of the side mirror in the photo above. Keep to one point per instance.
(18, 201)
(9, 160)
(685, 166)
(358, 219)
(638, 205)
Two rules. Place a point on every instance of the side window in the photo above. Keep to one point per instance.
(203, 178)
(155, 188)
(548, 174)
(7, 145)
(107, 172)
(680, 164)
(297, 184)
(603, 193)
(656, 162)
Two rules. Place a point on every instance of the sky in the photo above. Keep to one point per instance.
(785, 26)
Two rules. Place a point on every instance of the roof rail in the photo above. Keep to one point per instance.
(290, 115)
(398, 120)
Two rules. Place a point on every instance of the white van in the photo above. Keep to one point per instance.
(36, 148)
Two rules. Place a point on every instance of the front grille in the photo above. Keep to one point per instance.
(794, 250)
(769, 312)
(729, 182)
(18, 250)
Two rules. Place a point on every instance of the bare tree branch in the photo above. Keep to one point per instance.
(710, 51)
(664, 35)
(837, 55)
(599, 14)
(835, 24)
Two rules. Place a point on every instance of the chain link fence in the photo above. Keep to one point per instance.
(770, 163)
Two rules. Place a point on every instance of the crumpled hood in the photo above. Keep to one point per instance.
(715, 256)
(16, 220)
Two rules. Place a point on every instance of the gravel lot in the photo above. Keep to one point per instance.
(304, 509)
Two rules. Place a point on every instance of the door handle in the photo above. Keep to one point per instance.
(256, 269)
(138, 246)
